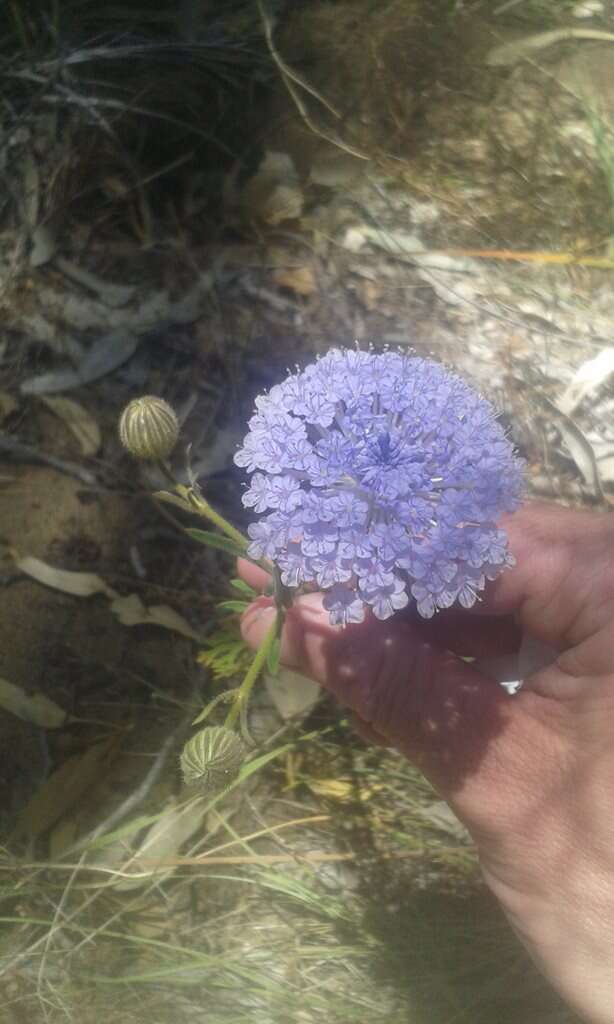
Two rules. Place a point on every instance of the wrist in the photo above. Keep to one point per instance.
(554, 878)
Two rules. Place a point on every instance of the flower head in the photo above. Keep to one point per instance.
(380, 477)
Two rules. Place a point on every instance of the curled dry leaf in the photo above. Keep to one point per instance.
(34, 708)
(78, 421)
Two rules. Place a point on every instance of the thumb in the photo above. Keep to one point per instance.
(425, 701)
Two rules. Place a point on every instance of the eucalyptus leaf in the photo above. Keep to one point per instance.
(105, 355)
(214, 540)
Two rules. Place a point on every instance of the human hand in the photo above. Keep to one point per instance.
(531, 776)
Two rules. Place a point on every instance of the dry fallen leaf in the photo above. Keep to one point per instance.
(132, 612)
(62, 837)
(291, 692)
(43, 245)
(576, 443)
(369, 293)
(588, 380)
(160, 844)
(80, 584)
(111, 294)
(342, 789)
(129, 610)
(273, 194)
(300, 280)
(63, 788)
(105, 355)
(442, 817)
(8, 405)
(35, 708)
(78, 421)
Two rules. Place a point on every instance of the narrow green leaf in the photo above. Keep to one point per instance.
(272, 661)
(259, 762)
(214, 540)
(233, 606)
(172, 499)
(243, 587)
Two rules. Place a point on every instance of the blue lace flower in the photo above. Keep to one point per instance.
(380, 478)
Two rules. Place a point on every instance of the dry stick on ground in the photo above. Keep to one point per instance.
(290, 79)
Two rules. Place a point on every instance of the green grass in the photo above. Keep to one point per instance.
(408, 935)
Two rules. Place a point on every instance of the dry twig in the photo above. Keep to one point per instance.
(290, 79)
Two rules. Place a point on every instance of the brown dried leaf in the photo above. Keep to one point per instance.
(8, 405)
(64, 788)
(131, 611)
(300, 280)
(78, 421)
(291, 692)
(35, 708)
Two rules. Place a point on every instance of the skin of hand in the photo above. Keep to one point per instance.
(531, 776)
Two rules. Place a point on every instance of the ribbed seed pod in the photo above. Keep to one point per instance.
(148, 428)
(213, 756)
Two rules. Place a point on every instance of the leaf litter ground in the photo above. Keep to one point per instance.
(388, 191)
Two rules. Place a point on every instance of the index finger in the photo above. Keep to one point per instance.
(452, 629)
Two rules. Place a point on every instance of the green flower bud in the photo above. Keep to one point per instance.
(148, 428)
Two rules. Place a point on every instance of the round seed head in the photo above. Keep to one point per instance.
(148, 428)
(213, 756)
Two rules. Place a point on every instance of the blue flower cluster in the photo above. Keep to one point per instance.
(380, 476)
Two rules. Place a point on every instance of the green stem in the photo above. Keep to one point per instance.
(204, 509)
(226, 696)
(195, 500)
(252, 674)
